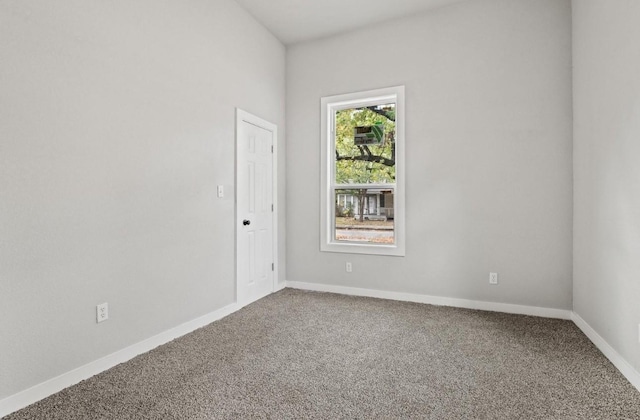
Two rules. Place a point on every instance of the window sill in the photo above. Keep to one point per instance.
(353, 248)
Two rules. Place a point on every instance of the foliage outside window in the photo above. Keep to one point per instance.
(363, 187)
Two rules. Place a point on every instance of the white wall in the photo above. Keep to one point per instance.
(489, 150)
(607, 171)
(116, 123)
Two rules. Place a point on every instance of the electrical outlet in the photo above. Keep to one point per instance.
(348, 267)
(220, 191)
(102, 312)
(493, 278)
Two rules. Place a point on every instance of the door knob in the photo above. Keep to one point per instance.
(246, 222)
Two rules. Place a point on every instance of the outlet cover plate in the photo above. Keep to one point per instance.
(493, 278)
(102, 312)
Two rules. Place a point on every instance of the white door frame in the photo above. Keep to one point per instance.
(245, 116)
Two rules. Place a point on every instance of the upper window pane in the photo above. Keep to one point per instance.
(365, 145)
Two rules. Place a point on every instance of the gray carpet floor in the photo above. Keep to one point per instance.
(298, 355)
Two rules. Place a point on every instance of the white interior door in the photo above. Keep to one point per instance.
(254, 208)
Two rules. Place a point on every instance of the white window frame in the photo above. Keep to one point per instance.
(329, 106)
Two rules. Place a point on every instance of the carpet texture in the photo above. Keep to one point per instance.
(298, 355)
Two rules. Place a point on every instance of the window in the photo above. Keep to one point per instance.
(362, 153)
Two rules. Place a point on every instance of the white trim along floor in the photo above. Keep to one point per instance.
(29, 396)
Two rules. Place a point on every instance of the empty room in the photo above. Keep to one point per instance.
(321, 209)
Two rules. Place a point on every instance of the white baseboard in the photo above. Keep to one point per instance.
(436, 300)
(36, 393)
(614, 357)
(632, 375)
(29, 396)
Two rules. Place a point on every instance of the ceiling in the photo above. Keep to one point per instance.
(294, 21)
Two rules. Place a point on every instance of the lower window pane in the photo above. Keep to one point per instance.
(364, 216)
